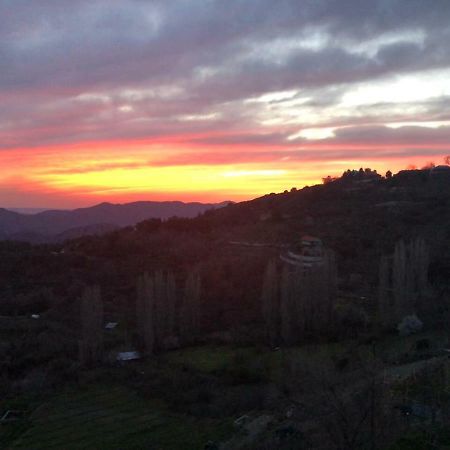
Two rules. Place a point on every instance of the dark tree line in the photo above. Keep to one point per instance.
(298, 303)
(403, 282)
(166, 316)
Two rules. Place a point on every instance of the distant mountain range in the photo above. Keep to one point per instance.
(58, 225)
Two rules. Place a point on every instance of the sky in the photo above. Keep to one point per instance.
(212, 100)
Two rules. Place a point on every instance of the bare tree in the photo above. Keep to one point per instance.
(351, 409)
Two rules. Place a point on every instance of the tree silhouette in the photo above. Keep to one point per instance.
(145, 312)
(270, 303)
(91, 342)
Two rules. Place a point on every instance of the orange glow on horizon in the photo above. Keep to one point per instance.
(116, 171)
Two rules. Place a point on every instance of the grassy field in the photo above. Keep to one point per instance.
(113, 417)
(216, 359)
(432, 439)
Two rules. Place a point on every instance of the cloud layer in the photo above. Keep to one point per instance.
(221, 83)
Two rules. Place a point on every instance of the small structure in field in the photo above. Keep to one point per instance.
(128, 356)
(111, 325)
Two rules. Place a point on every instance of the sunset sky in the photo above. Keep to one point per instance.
(123, 100)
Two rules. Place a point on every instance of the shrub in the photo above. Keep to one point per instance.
(409, 325)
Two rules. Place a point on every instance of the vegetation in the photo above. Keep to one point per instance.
(225, 328)
(102, 416)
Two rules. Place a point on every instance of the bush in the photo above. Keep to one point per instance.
(352, 318)
(409, 325)
(245, 369)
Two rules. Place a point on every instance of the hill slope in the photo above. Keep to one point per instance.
(47, 225)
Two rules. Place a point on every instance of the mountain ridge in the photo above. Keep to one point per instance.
(47, 225)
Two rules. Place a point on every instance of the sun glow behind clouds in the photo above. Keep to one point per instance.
(400, 89)
(313, 133)
(426, 124)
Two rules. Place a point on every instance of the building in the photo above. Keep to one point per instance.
(440, 171)
(311, 253)
(128, 356)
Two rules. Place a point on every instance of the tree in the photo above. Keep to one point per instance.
(351, 410)
(350, 406)
(385, 313)
(160, 307)
(149, 226)
(307, 300)
(91, 342)
(388, 174)
(403, 281)
(287, 308)
(270, 303)
(409, 325)
(145, 312)
(171, 298)
(189, 319)
(410, 275)
(328, 179)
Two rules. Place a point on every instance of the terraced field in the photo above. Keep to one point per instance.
(102, 417)
(189, 396)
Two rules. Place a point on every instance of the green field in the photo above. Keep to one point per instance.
(179, 400)
(102, 417)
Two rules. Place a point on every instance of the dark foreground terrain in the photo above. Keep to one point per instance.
(235, 348)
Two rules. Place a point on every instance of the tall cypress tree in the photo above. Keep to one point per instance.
(270, 303)
(145, 312)
(403, 281)
(189, 319)
(91, 342)
(171, 297)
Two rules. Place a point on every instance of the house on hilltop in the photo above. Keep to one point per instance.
(439, 171)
